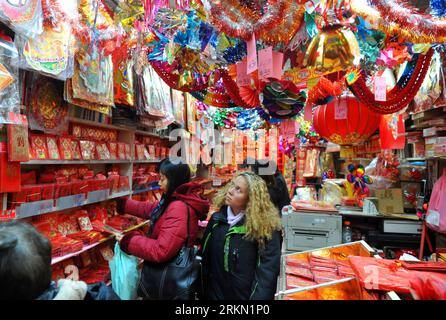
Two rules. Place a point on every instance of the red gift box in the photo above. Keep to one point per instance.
(28, 178)
(18, 198)
(114, 182)
(33, 193)
(66, 148)
(102, 151)
(63, 189)
(18, 142)
(47, 177)
(9, 172)
(79, 187)
(48, 191)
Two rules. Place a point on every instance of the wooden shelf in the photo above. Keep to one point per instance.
(84, 249)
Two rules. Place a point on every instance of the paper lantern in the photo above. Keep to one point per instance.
(333, 49)
(345, 121)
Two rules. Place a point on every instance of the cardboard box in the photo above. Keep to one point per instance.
(390, 200)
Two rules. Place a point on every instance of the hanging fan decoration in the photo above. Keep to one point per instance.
(244, 96)
(276, 22)
(283, 99)
(402, 94)
(215, 96)
(324, 91)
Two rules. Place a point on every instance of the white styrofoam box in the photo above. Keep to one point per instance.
(399, 226)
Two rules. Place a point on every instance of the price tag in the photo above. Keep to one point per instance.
(252, 55)
(380, 88)
(216, 182)
(340, 111)
(277, 64)
(266, 63)
(243, 79)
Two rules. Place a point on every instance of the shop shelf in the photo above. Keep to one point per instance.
(86, 248)
(44, 162)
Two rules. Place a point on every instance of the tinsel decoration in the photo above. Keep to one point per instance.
(276, 22)
(403, 21)
(404, 91)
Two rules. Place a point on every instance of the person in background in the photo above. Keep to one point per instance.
(168, 217)
(25, 269)
(276, 184)
(241, 245)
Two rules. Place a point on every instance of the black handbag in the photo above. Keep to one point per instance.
(174, 280)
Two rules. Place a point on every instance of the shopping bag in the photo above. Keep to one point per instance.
(124, 274)
(436, 214)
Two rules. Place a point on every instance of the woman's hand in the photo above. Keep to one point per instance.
(119, 236)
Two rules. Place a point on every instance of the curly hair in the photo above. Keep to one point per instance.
(262, 217)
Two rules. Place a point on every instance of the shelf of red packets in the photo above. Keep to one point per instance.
(73, 233)
(144, 176)
(149, 148)
(49, 147)
(55, 183)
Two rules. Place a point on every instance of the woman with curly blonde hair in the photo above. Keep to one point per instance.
(241, 248)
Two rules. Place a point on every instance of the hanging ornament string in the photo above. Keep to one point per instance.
(396, 11)
(402, 94)
(279, 22)
(408, 30)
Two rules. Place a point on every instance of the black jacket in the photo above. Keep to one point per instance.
(279, 193)
(232, 267)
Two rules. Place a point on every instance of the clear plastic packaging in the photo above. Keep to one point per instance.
(23, 17)
(9, 88)
(50, 53)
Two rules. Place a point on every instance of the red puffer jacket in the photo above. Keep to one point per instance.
(170, 231)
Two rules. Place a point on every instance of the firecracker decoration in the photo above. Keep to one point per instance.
(404, 91)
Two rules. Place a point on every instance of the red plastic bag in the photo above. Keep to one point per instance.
(428, 287)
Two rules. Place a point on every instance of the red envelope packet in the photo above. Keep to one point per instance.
(63, 189)
(113, 148)
(53, 149)
(79, 187)
(77, 155)
(66, 148)
(33, 193)
(39, 150)
(121, 151)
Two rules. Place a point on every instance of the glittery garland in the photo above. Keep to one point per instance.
(402, 94)
(280, 21)
(406, 30)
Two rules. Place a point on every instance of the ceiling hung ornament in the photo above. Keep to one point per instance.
(402, 94)
(283, 99)
(355, 127)
(335, 47)
(276, 22)
(402, 20)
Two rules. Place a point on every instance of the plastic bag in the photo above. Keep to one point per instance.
(50, 53)
(428, 288)
(9, 91)
(124, 274)
(436, 214)
(23, 17)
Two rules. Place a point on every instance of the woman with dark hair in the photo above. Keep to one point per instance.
(276, 184)
(182, 201)
(25, 269)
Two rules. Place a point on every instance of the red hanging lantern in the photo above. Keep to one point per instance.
(345, 121)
